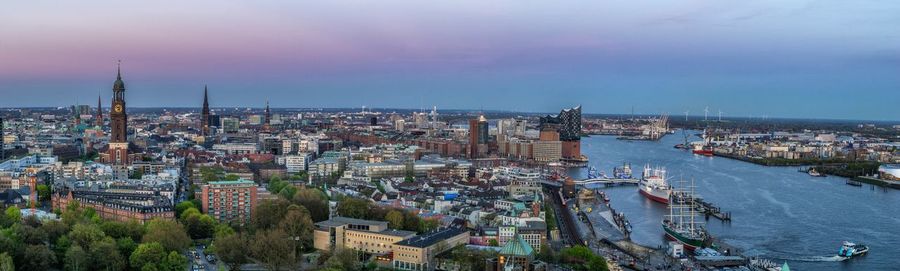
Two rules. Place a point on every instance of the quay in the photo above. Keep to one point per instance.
(605, 182)
(878, 182)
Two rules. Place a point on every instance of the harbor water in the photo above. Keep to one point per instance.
(778, 213)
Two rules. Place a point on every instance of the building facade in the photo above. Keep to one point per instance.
(228, 201)
(139, 207)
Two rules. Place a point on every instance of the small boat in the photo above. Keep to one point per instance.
(854, 183)
(850, 249)
(814, 173)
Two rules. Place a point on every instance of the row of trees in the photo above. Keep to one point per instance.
(83, 241)
(397, 218)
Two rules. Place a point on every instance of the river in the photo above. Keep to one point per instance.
(778, 212)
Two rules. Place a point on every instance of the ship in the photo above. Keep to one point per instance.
(704, 150)
(623, 172)
(653, 185)
(850, 249)
(681, 225)
(813, 172)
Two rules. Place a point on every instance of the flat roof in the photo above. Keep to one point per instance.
(241, 181)
(340, 220)
(432, 238)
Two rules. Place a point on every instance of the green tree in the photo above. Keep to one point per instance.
(183, 206)
(76, 259)
(198, 226)
(147, 254)
(6, 262)
(313, 200)
(223, 230)
(174, 262)
(171, 235)
(394, 219)
(231, 250)
(84, 234)
(105, 255)
(13, 214)
(38, 257)
(299, 226)
(411, 221)
(43, 192)
(288, 192)
(55, 229)
(268, 213)
(126, 246)
(274, 249)
(343, 259)
(115, 229)
(353, 207)
(30, 235)
(428, 225)
(493, 243)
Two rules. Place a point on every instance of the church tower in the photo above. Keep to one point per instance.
(118, 119)
(204, 115)
(99, 120)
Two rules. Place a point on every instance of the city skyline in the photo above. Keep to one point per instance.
(609, 57)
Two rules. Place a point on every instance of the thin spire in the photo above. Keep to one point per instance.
(205, 96)
(119, 70)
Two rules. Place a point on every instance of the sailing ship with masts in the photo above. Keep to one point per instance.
(681, 224)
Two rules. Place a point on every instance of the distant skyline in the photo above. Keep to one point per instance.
(825, 59)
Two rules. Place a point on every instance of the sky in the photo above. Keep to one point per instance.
(778, 58)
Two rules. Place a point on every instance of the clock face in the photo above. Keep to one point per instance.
(118, 108)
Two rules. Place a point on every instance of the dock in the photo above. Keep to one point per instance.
(708, 209)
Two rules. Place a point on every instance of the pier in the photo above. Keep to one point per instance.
(709, 210)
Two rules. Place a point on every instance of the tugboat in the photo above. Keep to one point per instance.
(850, 249)
(653, 185)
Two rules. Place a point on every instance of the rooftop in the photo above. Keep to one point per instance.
(241, 181)
(432, 238)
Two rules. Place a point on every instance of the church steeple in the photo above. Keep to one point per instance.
(99, 121)
(118, 122)
(204, 113)
(205, 99)
(268, 113)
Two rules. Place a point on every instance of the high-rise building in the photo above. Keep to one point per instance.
(118, 140)
(228, 201)
(231, 125)
(483, 129)
(204, 115)
(478, 136)
(569, 126)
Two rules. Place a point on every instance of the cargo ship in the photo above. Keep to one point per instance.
(653, 185)
(681, 224)
(704, 150)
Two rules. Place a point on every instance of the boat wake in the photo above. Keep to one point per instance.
(833, 258)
